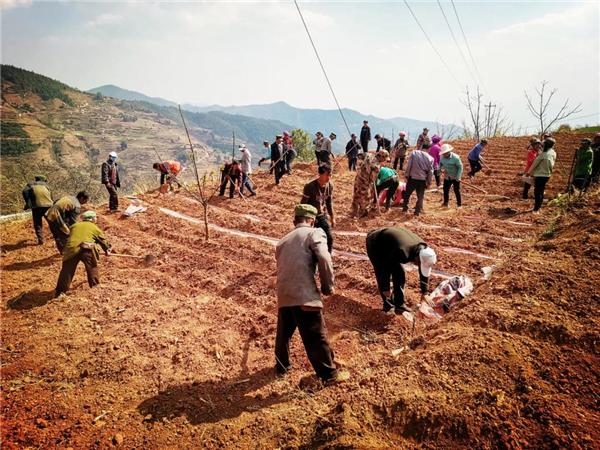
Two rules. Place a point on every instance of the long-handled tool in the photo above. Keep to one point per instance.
(148, 259)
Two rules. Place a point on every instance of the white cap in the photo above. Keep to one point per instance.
(113, 154)
(446, 148)
(428, 258)
(242, 147)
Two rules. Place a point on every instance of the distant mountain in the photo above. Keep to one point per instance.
(327, 121)
(110, 90)
(311, 120)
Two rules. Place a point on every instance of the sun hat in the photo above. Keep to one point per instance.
(428, 258)
(446, 148)
(88, 215)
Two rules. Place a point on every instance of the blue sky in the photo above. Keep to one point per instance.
(257, 52)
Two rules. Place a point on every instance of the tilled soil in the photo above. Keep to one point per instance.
(180, 354)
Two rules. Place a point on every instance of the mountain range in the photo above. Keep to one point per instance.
(311, 120)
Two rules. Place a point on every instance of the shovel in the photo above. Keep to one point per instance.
(148, 259)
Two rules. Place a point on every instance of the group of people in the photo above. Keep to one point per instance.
(310, 244)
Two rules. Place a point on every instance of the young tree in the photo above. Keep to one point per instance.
(540, 109)
(303, 145)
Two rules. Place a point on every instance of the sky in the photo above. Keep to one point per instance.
(377, 58)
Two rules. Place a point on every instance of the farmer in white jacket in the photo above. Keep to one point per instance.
(246, 166)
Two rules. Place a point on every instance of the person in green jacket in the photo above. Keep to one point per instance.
(540, 170)
(452, 167)
(81, 246)
(37, 196)
(63, 214)
(582, 172)
(387, 178)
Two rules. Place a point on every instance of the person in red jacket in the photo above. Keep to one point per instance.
(535, 145)
(168, 172)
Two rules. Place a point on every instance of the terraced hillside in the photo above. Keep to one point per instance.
(180, 354)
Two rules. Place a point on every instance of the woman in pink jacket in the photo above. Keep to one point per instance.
(535, 145)
(434, 152)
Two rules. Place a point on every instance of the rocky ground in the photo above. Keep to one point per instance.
(180, 354)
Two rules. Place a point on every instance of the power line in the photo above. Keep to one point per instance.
(462, 55)
(432, 46)
(467, 45)
(322, 68)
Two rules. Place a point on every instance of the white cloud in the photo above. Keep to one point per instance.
(8, 4)
(105, 19)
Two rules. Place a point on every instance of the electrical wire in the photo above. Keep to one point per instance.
(323, 68)
(467, 45)
(433, 46)
(462, 55)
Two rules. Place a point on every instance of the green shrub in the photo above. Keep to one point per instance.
(27, 81)
(13, 130)
(17, 147)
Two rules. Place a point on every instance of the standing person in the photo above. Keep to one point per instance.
(434, 152)
(596, 161)
(326, 152)
(231, 174)
(246, 168)
(418, 173)
(81, 246)
(364, 182)
(289, 152)
(533, 150)
(62, 215)
(383, 143)
(277, 161)
(541, 169)
(582, 172)
(319, 193)
(169, 170)
(475, 158)
(37, 196)
(110, 179)
(400, 148)
(318, 143)
(298, 300)
(423, 139)
(365, 136)
(387, 179)
(388, 249)
(452, 166)
(352, 148)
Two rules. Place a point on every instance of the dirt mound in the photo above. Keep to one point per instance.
(180, 354)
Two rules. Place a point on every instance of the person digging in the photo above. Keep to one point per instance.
(169, 170)
(81, 247)
(298, 300)
(388, 248)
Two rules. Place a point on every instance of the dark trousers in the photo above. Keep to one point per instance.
(88, 258)
(60, 237)
(399, 161)
(325, 159)
(38, 221)
(352, 163)
(539, 185)
(246, 183)
(168, 178)
(383, 273)
(278, 171)
(456, 184)
(113, 198)
(436, 174)
(318, 157)
(365, 146)
(224, 180)
(322, 223)
(313, 332)
(411, 186)
(391, 184)
(475, 167)
(289, 156)
(581, 183)
(526, 187)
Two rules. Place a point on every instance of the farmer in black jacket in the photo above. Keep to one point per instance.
(352, 148)
(389, 248)
(365, 136)
(383, 143)
(110, 179)
(277, 160)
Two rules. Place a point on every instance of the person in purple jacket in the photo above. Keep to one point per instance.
(434, 152)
